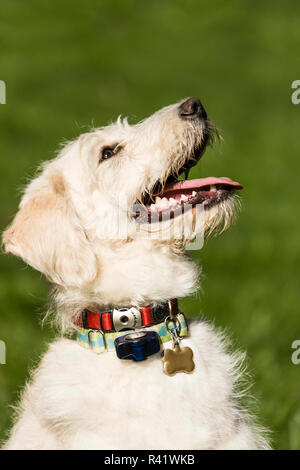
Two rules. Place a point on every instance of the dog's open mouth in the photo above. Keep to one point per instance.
(178, 197)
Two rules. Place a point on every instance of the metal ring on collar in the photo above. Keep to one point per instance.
(177, 326)
(97, 332)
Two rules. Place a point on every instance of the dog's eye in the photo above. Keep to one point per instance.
(108, 152)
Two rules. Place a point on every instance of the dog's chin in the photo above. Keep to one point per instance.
(219, 217)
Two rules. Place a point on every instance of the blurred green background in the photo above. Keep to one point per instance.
(70, 64)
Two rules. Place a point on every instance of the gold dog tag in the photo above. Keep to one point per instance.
(178, 360)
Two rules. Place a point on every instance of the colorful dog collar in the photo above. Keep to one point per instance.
(100, 341)
(114, 320)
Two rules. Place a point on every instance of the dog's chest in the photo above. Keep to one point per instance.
(109, 403)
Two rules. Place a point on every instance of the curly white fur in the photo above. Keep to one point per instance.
(68, 227)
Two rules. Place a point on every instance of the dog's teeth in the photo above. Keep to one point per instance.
(194, 193)
(157, 200)
(172, 200)
(213, 187)
(164, 202)
(183, 197)
(153, 207)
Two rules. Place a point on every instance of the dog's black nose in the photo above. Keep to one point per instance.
(192, 108)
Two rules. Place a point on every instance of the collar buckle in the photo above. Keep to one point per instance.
(126, 318)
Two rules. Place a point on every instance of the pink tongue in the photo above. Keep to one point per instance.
(200, 183)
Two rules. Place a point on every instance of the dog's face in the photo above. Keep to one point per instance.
(132, 186)
(118, 187)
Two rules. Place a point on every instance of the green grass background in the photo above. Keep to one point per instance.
(70, 64)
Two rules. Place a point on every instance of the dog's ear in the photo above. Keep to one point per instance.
(47, 234)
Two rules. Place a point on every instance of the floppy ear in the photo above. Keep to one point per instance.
(47, 234)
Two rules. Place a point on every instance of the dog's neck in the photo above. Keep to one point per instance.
(137, 274)
(132, 275)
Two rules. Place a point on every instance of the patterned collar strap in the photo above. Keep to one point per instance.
(100, 341)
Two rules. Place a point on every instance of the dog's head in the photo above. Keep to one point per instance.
(117, 192)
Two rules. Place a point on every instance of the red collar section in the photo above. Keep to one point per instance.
(127, 318)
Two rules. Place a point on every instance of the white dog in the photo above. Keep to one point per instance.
(115, 265)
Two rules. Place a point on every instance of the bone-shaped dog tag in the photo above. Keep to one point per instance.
(178, 360)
